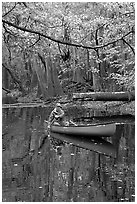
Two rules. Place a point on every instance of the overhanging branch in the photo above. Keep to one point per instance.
(35, 42)
(63, 42)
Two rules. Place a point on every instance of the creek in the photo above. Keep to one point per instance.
(39, 169)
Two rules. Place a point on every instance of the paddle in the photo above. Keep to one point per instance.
(73, 123)
(70, 121)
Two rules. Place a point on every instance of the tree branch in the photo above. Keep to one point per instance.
(129, 45)
(35, 42)
(63, 42)
(116, 39)
(10, 10)
(7, 90)
(92, 31)
(124, 14)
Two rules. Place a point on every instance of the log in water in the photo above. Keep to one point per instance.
(105, 96)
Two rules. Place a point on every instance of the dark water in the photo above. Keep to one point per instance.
(37, 169)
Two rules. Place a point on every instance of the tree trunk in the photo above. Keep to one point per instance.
(56, 82)
(53, 84)
(89, 68)
(105, 96)
(5, 78)
(34, 81)
(40, 76)
(79, 75)
(16, 81)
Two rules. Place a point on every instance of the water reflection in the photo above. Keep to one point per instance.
(36, 168)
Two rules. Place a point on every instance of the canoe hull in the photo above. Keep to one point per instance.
(94, 130)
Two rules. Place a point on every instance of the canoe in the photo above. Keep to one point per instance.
(95, 144)
(90, 130)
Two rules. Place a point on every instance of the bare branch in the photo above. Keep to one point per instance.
(8, 31)
(27, 21)
(35, 42)
(117, 39)
(92, 31)
(10, 10)
(63, 42)
(7, 90)
(129, 45)
(128, 13)
(24, 3)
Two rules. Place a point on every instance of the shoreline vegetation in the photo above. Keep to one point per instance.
(115, 107)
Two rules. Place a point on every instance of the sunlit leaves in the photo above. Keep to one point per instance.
(87, 23)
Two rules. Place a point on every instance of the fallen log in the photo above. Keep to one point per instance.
(105, 96)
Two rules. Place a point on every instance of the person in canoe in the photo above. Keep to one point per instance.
(57, 117)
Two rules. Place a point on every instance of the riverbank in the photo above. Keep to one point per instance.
(113, 107)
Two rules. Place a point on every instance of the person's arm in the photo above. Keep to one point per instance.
(51, 119)
(73, 123)
(61, 114)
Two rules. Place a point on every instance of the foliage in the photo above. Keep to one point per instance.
(96, 37)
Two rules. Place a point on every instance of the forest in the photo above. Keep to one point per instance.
(81, 55)
(55, 49)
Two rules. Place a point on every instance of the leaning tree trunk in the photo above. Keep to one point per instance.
(14, 78)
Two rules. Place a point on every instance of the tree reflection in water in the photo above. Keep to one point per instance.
(36, 168)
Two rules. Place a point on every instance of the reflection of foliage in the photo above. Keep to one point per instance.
(76, 175)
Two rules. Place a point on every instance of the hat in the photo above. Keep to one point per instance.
(58, 105)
